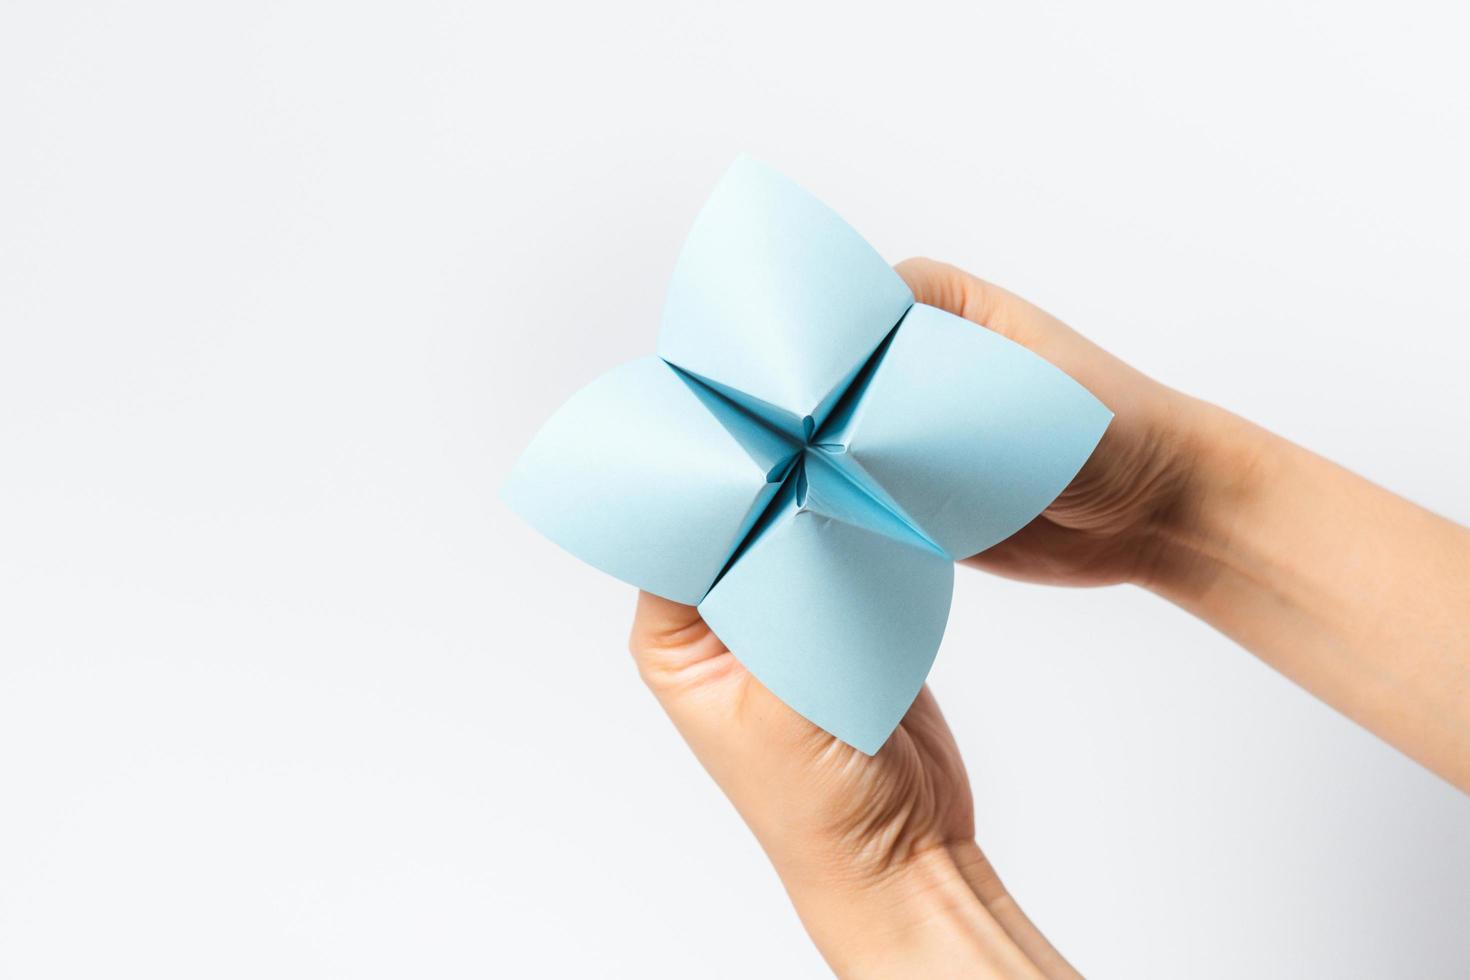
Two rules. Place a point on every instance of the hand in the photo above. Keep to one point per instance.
(1357, 595)
(877, 854)
(1109, 524)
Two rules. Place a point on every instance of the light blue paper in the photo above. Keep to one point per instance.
(636, 476)
(850, 645)
(1013, 429)
(776, 300)
(807, 456)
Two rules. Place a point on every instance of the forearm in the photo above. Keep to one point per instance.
(942, 913)
(1358, 595)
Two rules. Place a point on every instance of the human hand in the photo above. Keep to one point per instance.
(877, 853)
(1238, 526)
(1354, 593)
(1113, 522)
(1232, 523)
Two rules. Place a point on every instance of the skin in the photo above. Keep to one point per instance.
(1357, 595)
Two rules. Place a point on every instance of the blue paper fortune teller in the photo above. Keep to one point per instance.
(807, 456)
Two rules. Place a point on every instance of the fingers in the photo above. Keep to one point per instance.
(956, 291)
(661, 622)
(714, 701)
(673, 647)
(947, 287)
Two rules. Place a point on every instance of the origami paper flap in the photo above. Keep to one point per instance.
(771, 448)
(839, 621)
(776, 300)
(829, 489)
(968, 435)
(636, 476)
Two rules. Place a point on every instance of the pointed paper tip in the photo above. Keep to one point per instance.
(871, 747)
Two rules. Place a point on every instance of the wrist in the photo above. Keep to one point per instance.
(921, 917)
(1223, 462)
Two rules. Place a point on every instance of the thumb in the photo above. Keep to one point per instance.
(956, 291)
(669, 643)
(729, 718)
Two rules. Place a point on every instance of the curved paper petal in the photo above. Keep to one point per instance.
(839, 620)
(967, 434)
(637, 475)
(775, 300)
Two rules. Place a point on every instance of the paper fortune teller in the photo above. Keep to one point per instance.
(807, 455)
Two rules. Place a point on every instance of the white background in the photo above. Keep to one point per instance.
(284, 288)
